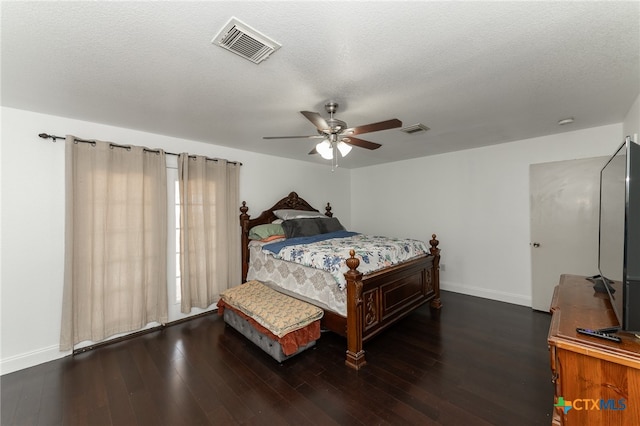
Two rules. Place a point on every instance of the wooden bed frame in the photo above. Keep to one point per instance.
(375, 301)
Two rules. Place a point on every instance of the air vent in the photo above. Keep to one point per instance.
(416, 128)
(243, 40)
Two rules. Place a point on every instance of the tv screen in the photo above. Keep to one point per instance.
(619, 247)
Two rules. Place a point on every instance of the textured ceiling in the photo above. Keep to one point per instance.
(476, 73)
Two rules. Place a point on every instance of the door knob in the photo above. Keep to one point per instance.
(536, 245)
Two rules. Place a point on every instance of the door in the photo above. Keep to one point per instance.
(564, 202)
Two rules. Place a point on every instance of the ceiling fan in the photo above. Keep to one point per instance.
(336, 136)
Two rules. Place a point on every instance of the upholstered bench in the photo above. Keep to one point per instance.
(280, 325)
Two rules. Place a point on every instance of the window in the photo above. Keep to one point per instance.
(173, 245)
(177, 240)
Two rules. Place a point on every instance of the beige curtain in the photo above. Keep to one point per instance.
(210, 232)
(116, 241)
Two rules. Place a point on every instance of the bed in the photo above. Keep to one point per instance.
(369, 303)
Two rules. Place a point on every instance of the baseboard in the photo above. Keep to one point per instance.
(500, 296)
(51, 353)
(30, 359)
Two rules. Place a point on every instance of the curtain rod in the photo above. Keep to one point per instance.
(55, 138)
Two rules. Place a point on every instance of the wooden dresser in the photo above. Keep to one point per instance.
(599, 379)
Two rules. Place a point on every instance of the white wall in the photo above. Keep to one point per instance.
(631, 124)
(477, 201)
(32, 223)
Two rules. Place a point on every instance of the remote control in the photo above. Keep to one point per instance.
(599, 334)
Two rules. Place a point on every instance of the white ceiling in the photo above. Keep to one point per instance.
(476, 73)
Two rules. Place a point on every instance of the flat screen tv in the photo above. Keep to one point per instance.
(619, 235)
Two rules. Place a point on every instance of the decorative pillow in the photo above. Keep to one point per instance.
(287, 214)
(261, 232)
(301, 227)
(310, 226)
(330, 224)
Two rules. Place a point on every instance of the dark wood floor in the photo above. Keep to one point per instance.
(482, 362)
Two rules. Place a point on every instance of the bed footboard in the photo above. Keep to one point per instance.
(383, 298)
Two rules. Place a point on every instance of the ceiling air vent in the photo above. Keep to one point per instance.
(416, 128)
(243, 40)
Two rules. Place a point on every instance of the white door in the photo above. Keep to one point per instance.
(564, 197)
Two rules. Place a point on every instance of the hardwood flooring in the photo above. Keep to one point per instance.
(481, 362)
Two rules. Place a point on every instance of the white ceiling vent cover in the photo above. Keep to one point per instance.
(243, 40)
(415, 128)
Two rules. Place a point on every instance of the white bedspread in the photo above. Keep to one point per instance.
(311, 285)
(374, 252)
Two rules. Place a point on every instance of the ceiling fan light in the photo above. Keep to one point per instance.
(344, 148)
(324, 149)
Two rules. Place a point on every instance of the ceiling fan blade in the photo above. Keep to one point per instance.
(294, 137)
(313, 151)
(374, 127)
(361, 143)
(316, 119)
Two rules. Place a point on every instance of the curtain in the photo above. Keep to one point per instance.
(115, 240)
(209, 229)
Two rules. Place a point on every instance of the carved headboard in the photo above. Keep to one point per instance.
(291, 201)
